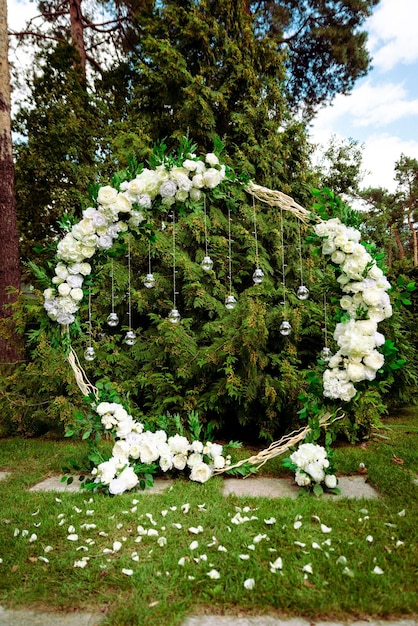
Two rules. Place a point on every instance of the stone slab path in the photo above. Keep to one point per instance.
(351, 487)
(22, 617)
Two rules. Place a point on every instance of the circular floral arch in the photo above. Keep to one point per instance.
(364, 301)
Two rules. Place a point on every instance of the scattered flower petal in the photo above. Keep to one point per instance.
(402, 513)
(214, 574)
(369, 538)
(181, 561)
(278, 564)
(348, 572)
(378, 570)
(222, 549)
(116, 546)
(33, 537)
(244, 557)
(270, 520)
(308, 568)
(316, 546)
(81, 564)
(297, 525)
(162, 541)
(127, 572)
(249, 583)
(194, 545)
(48, 548)
(342, 560)
(43, 558)
(325, 529)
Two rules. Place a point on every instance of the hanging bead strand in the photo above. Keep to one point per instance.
(230, 300)
(258, 274)
(325, 352)
(302, 292)
(130, 337)
(285, 327)
(149, 280)
(89, 353)
(207, 262)
(174, 315)
(112, 319)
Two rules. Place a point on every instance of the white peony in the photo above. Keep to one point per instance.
(331, 481)
(179, 461)
(76, 294)
(107, 195)
(201, 472)
(374, 360)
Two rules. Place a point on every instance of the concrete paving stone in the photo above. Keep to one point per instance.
(54, 484)
(22, 617)
(351, 487)
(4, 475)
(270, 620)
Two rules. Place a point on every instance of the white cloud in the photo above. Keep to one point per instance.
(380, 154)
(19, 13)
(392, 33)
(370, 105)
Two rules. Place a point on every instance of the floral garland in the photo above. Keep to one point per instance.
(365, 303)
(99, 228)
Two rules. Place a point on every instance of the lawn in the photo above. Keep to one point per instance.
(152, 559)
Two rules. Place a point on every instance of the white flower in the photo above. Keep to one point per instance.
(168, 189)
(201, 472)
(124, 482)
(374, 360)
(179, 461)
(302, 479)
(331, 481)
(106, 195)
(149, 452)
(212, 159)
(64, 289)
(212, 178)
(179, 444)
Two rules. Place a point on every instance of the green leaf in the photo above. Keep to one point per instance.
(86, 435)
(318, 490)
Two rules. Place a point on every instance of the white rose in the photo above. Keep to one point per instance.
(75, 280)
(195, 194)
(86, 252)
(200, 473)
(198, 181)
(166, 463)
(179, 444)
(135, 219)
(373, 296)
(379, 339)
(212, 159)
(64, 289)
(215, 450)
(122, 203)
(106, 471)
(105, 242)
(211, 178)
(49, 294)
(375, 272)
(194, 458)
(126, 480)
(179, 461)
(76, 294)
(181, 195)
(149, 452)
(331, 481)
(106, 195)
(84, 228)
(338, 257)
(302, 479)
(144, 201)
(356, 372)
(121, 450)
(197, 446)
(124, 427)
(190, 165)
(168, 189)
(61, 270)
(374, 360)
(366, 327)
(346, 302)
(219, 462)
(108, 421)
(104, 407)
(348, 247)
(328, 247)
(347, 392)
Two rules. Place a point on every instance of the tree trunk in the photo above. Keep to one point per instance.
(10, 348)
(401, 250)
(77, 33)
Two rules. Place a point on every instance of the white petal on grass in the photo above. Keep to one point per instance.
(76, 509)
(270, 521)
(81, 564)
(251, 546)
(307, 568)
(162, 541)
(178, 526)
(133, 509)
(151, 519)
(342, 560)
(194, 545)
(214, 574)
(185, 507)
(71, 529)
(119, 526)
(38, 524)
(316, 546)
(135, 501)
(378, 570)
(249, 583)
(203, 557)
(62, 522)
(325, 529)
(107, 551)
(25, 532)
(327, 542)
(135, 556)
(36, 513)
(181, 561)
(222, 549)
(33, 537)
(16, 532)
(297, 525)
(164, 513)
(84, 548)
(390, 525)
(399, 543)
(127, 572)
(43, 558)
(48, 548)
(278, 564)
(190, 577)
(348, 572)
(1, 561)
(116, 546)
(90, 512)
(152, 532)
(369, 538)
(402, 513)
(300, 544)
(103, 534)
(141, 530)
(195, 530)
(244, 557)
(58, 500)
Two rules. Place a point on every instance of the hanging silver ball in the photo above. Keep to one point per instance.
(174, 316)
(258, 276)
(230, 302)
(130, 338)
(325, 354)
(206, 264)
(149, 281)
(89, 353)
(112, 320)
(302, 292)
(285, 328)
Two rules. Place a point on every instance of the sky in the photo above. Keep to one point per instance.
(381, 113)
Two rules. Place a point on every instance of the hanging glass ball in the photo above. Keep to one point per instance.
(89, 353)
(258, 276)
(112, 320)
(130, 338)
(206, 264)
(174, 316)
(149, 281)
(302, 292)
(285, 328)
(325, 354)
(230, 302)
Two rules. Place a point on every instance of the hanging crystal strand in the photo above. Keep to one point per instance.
(149, 280)
(112, 319)
(207, 262)
(230, 300)
(174, 315)
(325, 352)
(258, 274)
(285, 327)
(302, 292)
(89, 353)
(130, 337)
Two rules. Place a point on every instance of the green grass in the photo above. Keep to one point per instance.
(160, 591)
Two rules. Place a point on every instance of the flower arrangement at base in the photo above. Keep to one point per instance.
(313, 469)
(138, 454)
